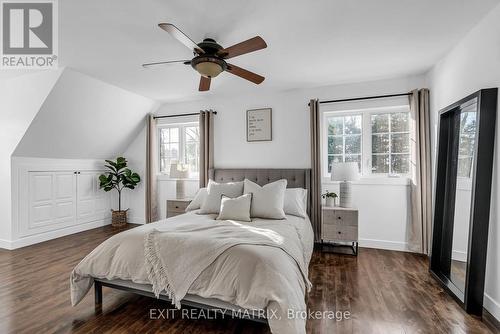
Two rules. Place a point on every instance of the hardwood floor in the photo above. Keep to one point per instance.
(384, 291)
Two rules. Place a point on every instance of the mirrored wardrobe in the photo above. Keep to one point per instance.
(462, 197)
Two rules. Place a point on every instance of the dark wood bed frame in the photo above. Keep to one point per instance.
(296, 178)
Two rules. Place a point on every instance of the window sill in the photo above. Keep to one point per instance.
(165, 177)
(397, 181)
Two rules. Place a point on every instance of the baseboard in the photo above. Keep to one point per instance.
(384, 244)
(459, 256)
(4, 244)
(136, 220)
(492, 314)
(35, 239)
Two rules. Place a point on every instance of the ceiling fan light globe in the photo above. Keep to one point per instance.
(209, 69)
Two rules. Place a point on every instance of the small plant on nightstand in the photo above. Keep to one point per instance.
(329, 198)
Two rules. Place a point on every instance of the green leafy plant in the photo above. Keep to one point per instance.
(118, 177)
(329, 195)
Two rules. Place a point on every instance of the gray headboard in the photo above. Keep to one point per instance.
(296, 178)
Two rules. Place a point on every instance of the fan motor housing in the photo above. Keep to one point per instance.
(210, 46)
(208, 59)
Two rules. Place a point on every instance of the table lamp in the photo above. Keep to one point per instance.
(179, 172)
(345, 172)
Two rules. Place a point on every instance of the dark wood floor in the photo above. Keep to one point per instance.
(385, 292)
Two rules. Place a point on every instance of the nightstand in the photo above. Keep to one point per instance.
(177, 207)
(340, 227)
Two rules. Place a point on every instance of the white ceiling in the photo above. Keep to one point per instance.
(310, 43)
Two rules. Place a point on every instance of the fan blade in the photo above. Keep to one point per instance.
(250, 76)
(204, 84)
(181, 37)
(250, 45)
(186, 62)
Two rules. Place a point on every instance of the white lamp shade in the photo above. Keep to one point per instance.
(345, 171)
(178, 171)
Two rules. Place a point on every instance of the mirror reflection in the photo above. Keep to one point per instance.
(463, 193)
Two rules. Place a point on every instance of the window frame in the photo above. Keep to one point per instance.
(182, 144)
(366, 137)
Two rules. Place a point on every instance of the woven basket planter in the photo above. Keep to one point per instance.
(118, 218)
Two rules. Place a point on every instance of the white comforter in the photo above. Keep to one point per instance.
(247, 275)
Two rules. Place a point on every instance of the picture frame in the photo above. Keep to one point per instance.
(259, 124)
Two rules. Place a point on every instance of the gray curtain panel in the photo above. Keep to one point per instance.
(206, 145)
(419, 231)
(151, 170)
(315, 215)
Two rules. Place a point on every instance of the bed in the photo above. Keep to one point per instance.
(246, 280)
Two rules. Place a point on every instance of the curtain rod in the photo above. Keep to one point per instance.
(365, 98)
(180, 115)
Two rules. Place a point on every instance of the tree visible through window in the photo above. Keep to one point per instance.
(344, 139)
(179, 143)
(466, 144)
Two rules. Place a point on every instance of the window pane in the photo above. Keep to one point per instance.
(172, 151)
(174, 135)
(335, 126)
(464, 166)
(380, 163)
(192, 134)
(400, 122)
(380, 123)
(400, 163)
(353, 144)
(335, 145)
(332, 159)
(466, 146)
(192, 156)
(354, 158)
(400, 143)
(380, 143)
(352, 124)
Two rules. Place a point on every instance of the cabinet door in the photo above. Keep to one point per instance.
(48, 202)
(92, 203)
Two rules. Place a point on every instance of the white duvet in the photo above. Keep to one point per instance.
(251, 276)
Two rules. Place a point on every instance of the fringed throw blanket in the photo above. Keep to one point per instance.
(175, 258)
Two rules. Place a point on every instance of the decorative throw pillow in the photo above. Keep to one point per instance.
(215, 191)
(235, 208)
(198, 199)
(267, 201)
(295, 202)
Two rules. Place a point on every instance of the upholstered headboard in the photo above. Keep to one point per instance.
(296, 178)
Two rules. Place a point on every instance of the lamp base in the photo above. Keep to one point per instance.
(179, 189)
(345, 195)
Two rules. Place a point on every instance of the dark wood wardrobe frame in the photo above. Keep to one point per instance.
(471, 299)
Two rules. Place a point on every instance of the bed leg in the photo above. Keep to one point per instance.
(98, 293)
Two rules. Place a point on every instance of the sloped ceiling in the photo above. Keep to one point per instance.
(310, 43)
(84, 118)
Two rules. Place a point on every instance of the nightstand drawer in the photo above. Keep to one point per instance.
(177, 206)
(337, 232)
(340, 217)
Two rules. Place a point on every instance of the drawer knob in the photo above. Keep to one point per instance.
(339, 217)
(176, 206)
(339, 232)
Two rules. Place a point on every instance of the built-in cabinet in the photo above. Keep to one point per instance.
(51, 200)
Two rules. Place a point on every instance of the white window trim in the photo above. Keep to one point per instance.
(366, 139)
(182, 145)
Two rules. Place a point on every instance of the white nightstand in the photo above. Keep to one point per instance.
(340, 226)
(177, 207)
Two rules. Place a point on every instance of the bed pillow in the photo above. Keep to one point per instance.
(267, 201)
(295, 202)
(198, 199)
(215, 191)
(235, 208)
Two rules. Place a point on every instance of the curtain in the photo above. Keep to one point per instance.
(206, 145)
(151, 172)
(315, 215)
(419, 231)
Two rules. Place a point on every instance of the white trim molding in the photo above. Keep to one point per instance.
(384, 244)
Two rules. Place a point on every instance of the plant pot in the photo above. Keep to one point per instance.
(118, 218)
(330, 201)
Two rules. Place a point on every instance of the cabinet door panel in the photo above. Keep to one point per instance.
(93, 203)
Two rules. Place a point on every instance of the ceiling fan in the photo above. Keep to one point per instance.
(210, 58)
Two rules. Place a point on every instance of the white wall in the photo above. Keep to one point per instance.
(20, 100)
(84, 118)
(383, 205)
(472, 65)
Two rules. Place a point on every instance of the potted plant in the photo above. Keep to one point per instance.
(118, 177)
(329, 198)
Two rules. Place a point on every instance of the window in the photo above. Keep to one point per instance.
(390, 143)
(179, 143)
(344, 139)
(378, 139)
